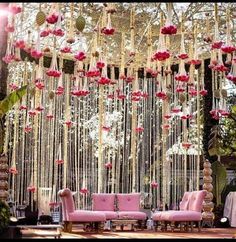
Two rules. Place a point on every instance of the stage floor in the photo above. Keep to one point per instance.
(80, 234)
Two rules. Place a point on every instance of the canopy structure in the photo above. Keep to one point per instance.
(115, 96)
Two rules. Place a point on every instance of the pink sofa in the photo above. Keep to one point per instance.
(93, 219)
(190, 212)
(119, 206)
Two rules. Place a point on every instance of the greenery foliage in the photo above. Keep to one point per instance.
(4, 216)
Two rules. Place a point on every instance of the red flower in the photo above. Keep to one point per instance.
(122, 77)
(60, 90)
(58, 32)
(121, 96)
(80, 56)
(53, 73)
(45, 32)
(93, 73)
(36, 54)
(167, 116)
(182, 78)
(203, 92)
(161, 95)
(166, 126)
(66, 49)
(104, 81)
(220, 68)
(59, 162)
(180, 89)
(154, 184)
(52, 19)
(31, 189)
(27, 129)
(10, 28)
(193, 92)
(217, 45)
(13, 86)
(231, 78)
(108, 31)
(183, 56)
(39, 109)
(185, 117)
(20, 44)
(32, 113)
(175, 110)
(84, 190)
(49, 116)
(129, 79)
(23, 107)
(161, 55)
(107, 129)
(186, 145)
(169, 29)
(39, 85)
(13, 170)
(79, 93)
(110, 96)
(108, 165)
(139, 129)
(100, 64)
(195, 62)
(228, 48)
(8, 58)
(68, 123)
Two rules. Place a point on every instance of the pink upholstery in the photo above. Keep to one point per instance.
(110, 215)
(103, 202)
(132, 215)
(87, 216)
(190, 208)
(128, 202)
(70, 214)
(180, 215)
(185, 200)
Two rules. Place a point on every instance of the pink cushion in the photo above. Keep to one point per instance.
(87, 216)
(196, 200)
(128, 202)
(103, 202)
(174, 215)
(185, 201)
(110, 215)
(132, 215)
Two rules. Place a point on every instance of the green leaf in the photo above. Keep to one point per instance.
(8, 102)
(234, 109)
(219, 176)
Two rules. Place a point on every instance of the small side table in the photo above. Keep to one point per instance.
(122, 222)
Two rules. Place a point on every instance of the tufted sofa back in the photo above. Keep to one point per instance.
(128, 201)
(193, 201)
(103, 202)
(68, 205)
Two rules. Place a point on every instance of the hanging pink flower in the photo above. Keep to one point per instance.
(121, 96)
(185, 117)
(167, 116)
(32, 113)
(68, 123)
(52, 18)
(180, 89)
(231, 78)
(136, 98)
(13, 170)
(36, 54)
(93, 73)
(215, 114)
(228, 48)
(169, 29)
(203, 92)
(80, 93)
(59, 161)
(104, 81)
(139, 129)
(217, 45)
(129, 79)
(53, 73)
(58, 32)
(108, 165)
(8, 58)
(144, 95)
(80, 56)
(100, 64)
(27, 129)
(161, 95)
(166, 126)
(39, 108)
(183, 56)
(106, 128)
(175, 110)
(20, 44)
(22, 107)
(40, 85)
(182, 78)
(13, 86)
(122, 77)
(14, 9)
(66, 49)
(192, 92)
(154, 73)
(49, 116)
(224, 113)
(31, 189)
(45, 32)
(220, 68)
(84, 190)
(60, 90)
(195, 62)
(10, 28)
(186, 145)
(110, 96)
(161, 55)
(154, 184)
(108, 31)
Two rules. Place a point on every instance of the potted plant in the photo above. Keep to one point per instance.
(4, 217)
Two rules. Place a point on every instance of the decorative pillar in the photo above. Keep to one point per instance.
(3, 177)
(208, 205)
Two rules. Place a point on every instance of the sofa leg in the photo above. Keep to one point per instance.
(65, 226)
(199, 226)
(181, 226)
(191, 223)
(69, 227)
(172, 226)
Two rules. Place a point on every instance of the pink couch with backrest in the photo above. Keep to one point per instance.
(70, 215)
(190, 211)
